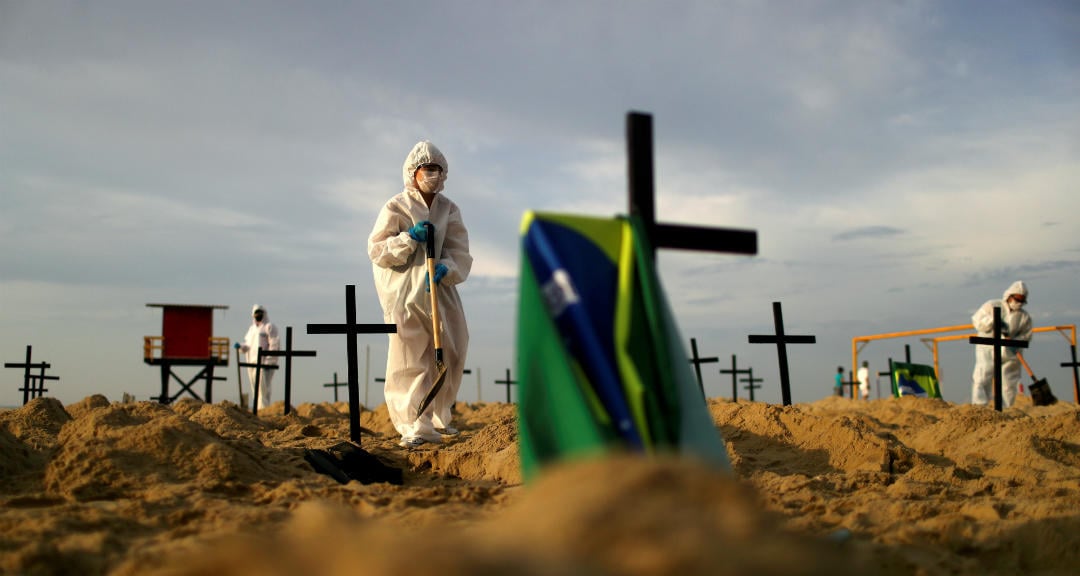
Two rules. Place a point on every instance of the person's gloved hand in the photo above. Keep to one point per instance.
(418, 231)
(440, 271)
(236, 345)
(1012, 350)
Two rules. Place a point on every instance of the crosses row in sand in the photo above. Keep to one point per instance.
(33, 384)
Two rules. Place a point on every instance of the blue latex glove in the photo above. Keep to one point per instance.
(440, 271)
(418, 232)
(236, 345)
(1012, 350)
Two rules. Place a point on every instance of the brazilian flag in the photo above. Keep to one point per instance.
(914, 380)
(601, 365)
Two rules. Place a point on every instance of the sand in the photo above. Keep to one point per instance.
(897, 486)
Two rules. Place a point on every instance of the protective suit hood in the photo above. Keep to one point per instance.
(257, 307)
(1018, 288)
(423, 153)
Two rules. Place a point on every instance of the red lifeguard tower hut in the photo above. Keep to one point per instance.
(186, 340)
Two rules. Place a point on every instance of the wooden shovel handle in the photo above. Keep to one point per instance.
(1026, 367)
(435, 320)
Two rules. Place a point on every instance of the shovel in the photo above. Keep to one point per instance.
(440, 366)
(1040, 388)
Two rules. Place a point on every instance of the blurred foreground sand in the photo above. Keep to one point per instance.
(904, 486)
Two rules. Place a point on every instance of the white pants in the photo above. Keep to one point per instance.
(982, 387)
(265, 382)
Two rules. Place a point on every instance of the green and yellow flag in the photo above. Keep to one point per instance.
(601, 365)
(914, 380)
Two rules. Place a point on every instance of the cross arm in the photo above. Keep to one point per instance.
(357, 329)
(704, 239)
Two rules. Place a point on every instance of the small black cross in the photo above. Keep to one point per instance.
(380, 381)
(751, 386)
(335, 385)
(852, 382)
(350, 328)
(880, 374)
(697, 362)
(28, 384)
(997, 342)
(259, 367)
(1076, 376)
(781, 341)
(508, 382)
(37, 383)
(734, 378)
(288, 353)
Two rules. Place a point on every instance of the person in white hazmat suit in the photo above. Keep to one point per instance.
(397, 248)
(261, 334)
(1015, 325)
(863, 375)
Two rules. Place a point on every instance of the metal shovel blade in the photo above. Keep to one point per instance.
(440, 377)
(1041, 394)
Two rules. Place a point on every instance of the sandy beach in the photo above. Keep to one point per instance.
(896, 486)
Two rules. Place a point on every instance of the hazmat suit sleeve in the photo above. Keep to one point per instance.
(1020, 327)
(455, 249)
(272, 342)
(983, 319)
(390, 244)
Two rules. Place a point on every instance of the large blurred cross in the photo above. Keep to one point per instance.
(639, 140)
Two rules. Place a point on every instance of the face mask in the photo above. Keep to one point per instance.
(1014, 305)
(427, 181)
(258, 317)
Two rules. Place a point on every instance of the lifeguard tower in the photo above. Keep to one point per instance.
(186, 340)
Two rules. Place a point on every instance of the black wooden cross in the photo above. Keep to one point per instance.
(781, 340)
(288, 353)
(350, 329)
(850, 382)
(259, 366)
(735, 371)
(28, 388)
(751, 380)
(335, 385)
(997, 342)
(1076, 376)
(380, 381)
(38, 382)
(697, 362)
(639, 139)
(508, 382)
(880, 374)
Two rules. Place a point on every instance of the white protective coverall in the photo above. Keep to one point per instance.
(399, 266)
(1015, 325)
(863, 375)
(260, 335)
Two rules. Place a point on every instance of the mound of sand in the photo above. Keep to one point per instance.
(832, 487)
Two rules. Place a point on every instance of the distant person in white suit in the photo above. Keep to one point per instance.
(261, 334)
(864, 380)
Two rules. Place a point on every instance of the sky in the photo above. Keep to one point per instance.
(900, 161)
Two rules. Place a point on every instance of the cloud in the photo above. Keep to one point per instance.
(868, 232)
(1026, 271)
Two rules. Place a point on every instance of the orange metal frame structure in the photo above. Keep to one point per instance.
(859, 342)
